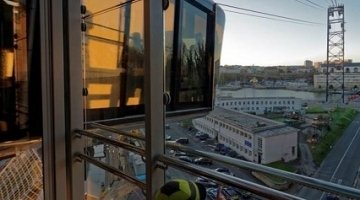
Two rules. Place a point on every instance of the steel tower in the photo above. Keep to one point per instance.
(335, 52)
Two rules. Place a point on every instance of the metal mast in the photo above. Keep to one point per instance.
(335, 52)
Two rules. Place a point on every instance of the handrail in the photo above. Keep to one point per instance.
(111, 141)
(227, 179)
(18, 143)
(297, 178)
(303, 180)
(117, 131)
(112, 170)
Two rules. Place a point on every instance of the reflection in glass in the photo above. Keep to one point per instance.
(113, 58)
(20, 101)
(194, 75)
(101, 184)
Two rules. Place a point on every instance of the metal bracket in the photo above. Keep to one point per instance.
(165, 4)
(167, 98)
(161, 165)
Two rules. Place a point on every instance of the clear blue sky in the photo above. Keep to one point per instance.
(255, 41)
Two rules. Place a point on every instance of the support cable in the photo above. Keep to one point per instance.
(264, 17)
(269, 14)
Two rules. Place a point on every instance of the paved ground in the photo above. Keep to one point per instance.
(341, 164)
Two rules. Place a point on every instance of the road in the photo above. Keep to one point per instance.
(342, 163)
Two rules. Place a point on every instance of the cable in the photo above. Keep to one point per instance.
(117, 6)
(306, 4)
(259, 16)
(320, 6)
(269, 14)
(328, 2)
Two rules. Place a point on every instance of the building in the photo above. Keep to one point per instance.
(259, 105)
(317, 65)
(252, 137)
(308, 63)
(351, 76)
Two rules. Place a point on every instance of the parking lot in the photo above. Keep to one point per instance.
(176, 131)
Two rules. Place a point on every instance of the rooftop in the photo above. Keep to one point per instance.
(241, 98)
(346, 64)
(252, 123)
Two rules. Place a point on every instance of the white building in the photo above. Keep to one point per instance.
(257, 139)
(351, 76)
(260, 105)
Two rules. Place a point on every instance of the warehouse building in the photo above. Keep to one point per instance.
(255, 138)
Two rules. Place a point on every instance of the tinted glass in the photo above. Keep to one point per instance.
(194, 74)
(113, 58)
(20, 101)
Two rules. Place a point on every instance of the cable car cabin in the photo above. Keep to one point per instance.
(113, 57)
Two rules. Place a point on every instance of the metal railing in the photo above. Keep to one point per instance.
(254, 188)
(297, 178)
(257, 189)
(112, 170)
(113, 142)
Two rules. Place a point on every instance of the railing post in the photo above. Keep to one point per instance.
(52, 89)
(154, 87)
(74, 101)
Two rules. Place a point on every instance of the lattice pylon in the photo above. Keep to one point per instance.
(335, 73)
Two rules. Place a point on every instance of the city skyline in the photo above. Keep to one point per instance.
(250, 40)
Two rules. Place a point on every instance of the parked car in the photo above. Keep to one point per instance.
(230, 194)
(224, 150)
(180, 153)
(206, 182)
(224, 171)
(211, 193)
(232, 153)
(244, 194)
(203, 161)
(198, 134)
(241, 157)
(218, 147)
(331, 197)
(168, 137)
(186, 159)
(203, 136)
(182, 141)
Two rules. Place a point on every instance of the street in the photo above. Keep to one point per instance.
(342, 163)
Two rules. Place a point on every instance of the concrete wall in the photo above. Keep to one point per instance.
(279, 147)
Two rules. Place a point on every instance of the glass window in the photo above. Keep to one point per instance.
(21, 175)
(114, 78)
(194, 74)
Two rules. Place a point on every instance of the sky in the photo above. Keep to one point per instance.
(255, 41)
